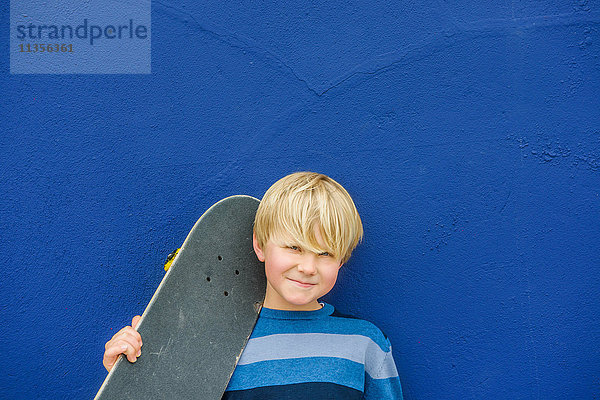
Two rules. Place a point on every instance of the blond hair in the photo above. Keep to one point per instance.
(296, 204)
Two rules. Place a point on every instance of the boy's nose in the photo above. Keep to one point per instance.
(307, 265)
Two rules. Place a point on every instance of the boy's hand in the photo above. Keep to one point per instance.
(127, 341)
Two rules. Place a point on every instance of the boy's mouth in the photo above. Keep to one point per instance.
(302, 284)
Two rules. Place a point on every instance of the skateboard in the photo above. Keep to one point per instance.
(201, 316)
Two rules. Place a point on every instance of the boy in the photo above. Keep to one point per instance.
(305, 229)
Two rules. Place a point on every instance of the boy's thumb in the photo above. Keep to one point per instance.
(135, 321)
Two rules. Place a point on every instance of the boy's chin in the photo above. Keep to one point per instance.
(296, 305)
(305, 306)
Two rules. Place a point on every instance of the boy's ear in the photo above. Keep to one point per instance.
(257, 249)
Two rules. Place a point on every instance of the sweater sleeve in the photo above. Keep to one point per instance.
(382, 382)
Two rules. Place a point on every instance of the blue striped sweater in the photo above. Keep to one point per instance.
(317, 355)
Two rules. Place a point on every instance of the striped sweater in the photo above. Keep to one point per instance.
(316, 355)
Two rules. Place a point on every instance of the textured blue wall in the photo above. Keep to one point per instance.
(469, 135)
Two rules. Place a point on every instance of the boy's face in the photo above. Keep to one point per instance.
(296, 278)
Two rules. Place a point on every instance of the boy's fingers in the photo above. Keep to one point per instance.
(135, 321)
(127, 341)
(127, 333)
(132, 353)
(119, 347)
(111, 354)
(126, 329)
(130, 340)
(113, 351)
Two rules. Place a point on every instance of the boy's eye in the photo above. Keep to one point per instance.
(325, 254)
(295, 248)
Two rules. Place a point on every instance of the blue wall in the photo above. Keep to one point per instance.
(468, 134)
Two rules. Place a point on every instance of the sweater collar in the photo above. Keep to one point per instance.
(323, 312)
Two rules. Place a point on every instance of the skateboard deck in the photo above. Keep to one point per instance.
(201, 316)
